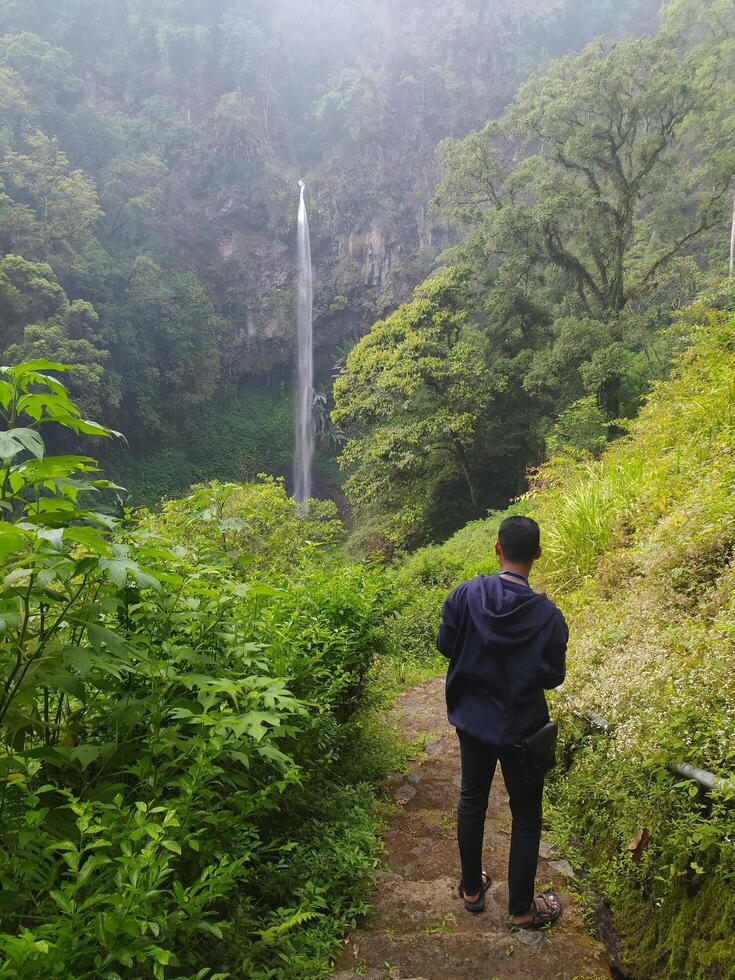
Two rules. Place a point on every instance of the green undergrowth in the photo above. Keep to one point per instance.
(639, 552)
(190, 750)
(229, 438)
(394, 673)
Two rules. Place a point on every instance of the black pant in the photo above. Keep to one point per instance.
(526, 792)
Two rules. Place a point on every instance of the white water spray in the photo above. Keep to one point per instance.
(305, 361)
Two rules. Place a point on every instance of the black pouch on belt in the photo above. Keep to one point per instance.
(540, 748)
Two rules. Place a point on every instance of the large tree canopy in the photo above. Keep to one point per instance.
(424, 400)
(592, 207)
(600, 139)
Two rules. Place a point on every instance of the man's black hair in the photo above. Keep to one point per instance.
(519, 538)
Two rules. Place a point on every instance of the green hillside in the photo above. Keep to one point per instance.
(638, 551)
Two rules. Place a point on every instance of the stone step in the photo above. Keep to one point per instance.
(505, 955)
(419, 929)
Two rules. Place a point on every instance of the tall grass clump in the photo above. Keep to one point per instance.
(589, 512)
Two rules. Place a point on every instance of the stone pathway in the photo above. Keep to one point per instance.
(419, 928)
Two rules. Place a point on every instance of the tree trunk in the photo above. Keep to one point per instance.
(610, 396)
(732, 239)
(464, 466)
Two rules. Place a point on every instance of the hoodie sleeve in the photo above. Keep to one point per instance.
(554, 655)
(448, 627)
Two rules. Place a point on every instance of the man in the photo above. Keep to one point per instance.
(505, 644)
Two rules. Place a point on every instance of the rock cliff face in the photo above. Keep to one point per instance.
(374, 252)
(384, 248)
(362, 271)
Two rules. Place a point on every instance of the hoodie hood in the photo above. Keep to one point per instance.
(507, 614)
(505, 644)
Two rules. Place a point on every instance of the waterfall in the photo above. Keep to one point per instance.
(305, 361)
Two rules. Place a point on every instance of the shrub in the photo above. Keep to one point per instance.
(178, 695)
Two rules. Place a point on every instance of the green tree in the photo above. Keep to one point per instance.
(165, 338)
(581, 426)
(53, 207)
(15, 108)
(131, 191)
(46, 70)
(599, 202)
(585, 203)
(40, 323)
(71, 335)
(29, 291)
(416, 401)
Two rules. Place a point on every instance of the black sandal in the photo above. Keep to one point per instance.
(479, 904)
(542, 917)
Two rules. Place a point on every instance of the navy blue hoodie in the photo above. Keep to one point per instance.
(487, 619)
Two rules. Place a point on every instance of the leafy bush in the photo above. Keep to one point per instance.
(253, 526)
(581, 426)
(178, 695)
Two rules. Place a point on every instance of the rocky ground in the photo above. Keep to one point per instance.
(419, 928)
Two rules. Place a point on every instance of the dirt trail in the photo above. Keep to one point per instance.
(419, 928)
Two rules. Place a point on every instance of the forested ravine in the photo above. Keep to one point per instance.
(223, 751)
(149, 158)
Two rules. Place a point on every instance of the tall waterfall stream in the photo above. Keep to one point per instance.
(304, 450)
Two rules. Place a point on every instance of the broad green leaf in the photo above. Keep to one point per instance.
(42, 405)
(39, 364)
(54, 535)
(116, 569)
(49, 505)
(261, 588)
(6, 393)
(14, 441)
(100, 636)
(232, 524)
(12, 539)
(62, 680)
(90, 538)
(271, 752)
(256, 724)
(19, 576)
(63, 901)
(85, 755)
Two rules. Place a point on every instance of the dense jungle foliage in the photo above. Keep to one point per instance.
(596, 205)
(184, 782)
(149, 152)
(638, 550)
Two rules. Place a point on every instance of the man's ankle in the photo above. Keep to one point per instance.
(523, 915)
